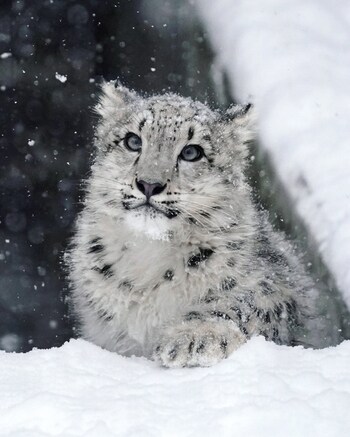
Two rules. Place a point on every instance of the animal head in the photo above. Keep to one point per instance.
(169, 160)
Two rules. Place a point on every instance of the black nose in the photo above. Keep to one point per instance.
(149, 189)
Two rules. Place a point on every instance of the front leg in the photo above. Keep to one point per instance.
(200, 339)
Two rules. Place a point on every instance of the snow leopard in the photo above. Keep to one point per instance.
(171, 258)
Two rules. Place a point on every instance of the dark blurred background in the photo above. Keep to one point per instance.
(53, 53)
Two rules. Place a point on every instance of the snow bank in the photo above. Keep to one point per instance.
(291, 58)
(262, 390)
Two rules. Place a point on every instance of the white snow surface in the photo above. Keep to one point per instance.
(261, 390)
(292, 59)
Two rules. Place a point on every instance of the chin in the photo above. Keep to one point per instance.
(149, 222)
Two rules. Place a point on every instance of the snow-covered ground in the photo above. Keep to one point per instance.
(262, 390)
(292, 59)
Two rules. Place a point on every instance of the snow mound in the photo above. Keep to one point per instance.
(261, 390)
(291, 59)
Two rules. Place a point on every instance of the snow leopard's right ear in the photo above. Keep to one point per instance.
(114, 100)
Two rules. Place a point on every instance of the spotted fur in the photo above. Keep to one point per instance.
(190, 278)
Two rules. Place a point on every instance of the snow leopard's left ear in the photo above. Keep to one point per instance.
(240, 121)
(237, 129)
(115, 100)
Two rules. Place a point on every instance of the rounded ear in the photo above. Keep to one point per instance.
(114, 99)
(241, 120)
(236, 111)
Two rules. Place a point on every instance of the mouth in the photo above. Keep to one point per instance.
(169, 213)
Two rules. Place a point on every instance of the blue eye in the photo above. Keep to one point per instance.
(133, 142)
(192, 152)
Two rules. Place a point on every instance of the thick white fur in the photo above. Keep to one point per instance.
(124, 294)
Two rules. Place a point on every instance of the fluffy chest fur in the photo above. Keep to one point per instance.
(140, 282)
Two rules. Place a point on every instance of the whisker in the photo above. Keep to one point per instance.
(204, 222)
(192, 216)
(207, 207)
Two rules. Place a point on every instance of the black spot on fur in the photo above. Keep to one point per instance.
(206, 137)
(271, 255)
(126, 205)
(275, 335)
(104, 316)
(172, 213)
(193, 315)
(243, 330)
(107, 270)
(238, 312)
(190, 347)
(228, 283)
(235, 245)
(126, 284)
(292, 314)
(192, 220)
(94, 241)
(231, 262)
(168, 275)
(263, 315)
(267, 317)
(173, 353)
(223, 346)
(294, 342)
(266, 288)
(204, 214)
(200, 347)
(190, 133)
(278, 310)
(211, 297)
(141, 124)
(96, 248)
(220, 315)
(196, 259)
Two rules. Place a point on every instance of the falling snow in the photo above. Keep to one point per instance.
(5, 55)
(61, 77)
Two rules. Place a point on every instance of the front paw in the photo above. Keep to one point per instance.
(197, 343)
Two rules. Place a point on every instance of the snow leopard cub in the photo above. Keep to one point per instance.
(171, 259)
